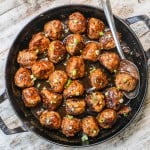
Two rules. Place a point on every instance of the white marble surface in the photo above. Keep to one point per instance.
(14, 14)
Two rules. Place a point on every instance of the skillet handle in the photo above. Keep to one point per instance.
(4, 127)
(141, 26)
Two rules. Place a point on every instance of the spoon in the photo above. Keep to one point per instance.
(125, 65)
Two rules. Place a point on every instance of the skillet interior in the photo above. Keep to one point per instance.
(21, 42)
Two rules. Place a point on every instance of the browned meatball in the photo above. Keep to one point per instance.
(125, 110)
(74, 44)
(23, 78)
(57, 80)
(110, 60)
(75, 88)
(125, 82)
(51, 100)
(53, 29)
(50, 119)
(107, 118)
(96, 101)
(75, 106)
(95, 27)
(77, 22)
(31, 97)
(75, 67)
(27, 58)
(98, 79)
(70, 125)
(56, 51)
(91, 51)
(90, 126)
(107, 41)
(114, 98)
(39, 42)
(42, 69)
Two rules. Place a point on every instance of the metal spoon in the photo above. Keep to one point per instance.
(128, 66)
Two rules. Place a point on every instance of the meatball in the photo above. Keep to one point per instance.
(74, 44)
(56, 51)
(125, 82)
(96, 101)
(57, 80)
(110, 60)
(70, 125)
(90, 126)
(75, 67)
(31, 97)
(95, 28)
(75, 88)
(51, 100)
(42, 69)
(107, 118)
(77, 22)
(50, 119)
(107, 41)
(91, 51)
(23, 78)
(114, 98)
(39, 42)
(53, 29)
(27, 58)
(98, 79)
(125, 110)
(75, 106)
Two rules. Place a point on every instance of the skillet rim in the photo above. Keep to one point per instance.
(34, 129)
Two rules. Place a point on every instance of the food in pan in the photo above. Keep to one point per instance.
(75, 76)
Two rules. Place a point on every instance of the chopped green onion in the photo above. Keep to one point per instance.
(33, 77)
(92, 69)
(77, 93)
(101, 33)
(74, 72)
(68, 83)
(84, 138)
(37, 51)
(51, 48)
(125, 114)
(38, 85)
(75, 41)
(106, 93)
(125, 80)
(75, 21)
(69, 117)
(115, 71)
(46, 35)
(80, 51)
(47, 120)
(97, 52)
(94, 131)
(101, 120)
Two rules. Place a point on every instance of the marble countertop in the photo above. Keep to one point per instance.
(14, 14)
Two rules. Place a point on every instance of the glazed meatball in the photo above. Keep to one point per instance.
(75, 67)
(90, 126)
(96, 101)
(77, 22)
(42, 69)
(39, 42)
(107, 41)
(23, 78)
(53, 29)
(51, 100)
(91, 51)
(70, 125)
(56, 51)
(114, 98)
(31, 97)
(50, 119)
(110, 60)
(75, 88)
(125, 82)
(107, 118)
(27, 58)
(57, 80)
(125, 110)
(75, 106)
(98, 79)
(95, 28)
(74, 44)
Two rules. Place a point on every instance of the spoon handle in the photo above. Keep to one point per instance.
(110, 20)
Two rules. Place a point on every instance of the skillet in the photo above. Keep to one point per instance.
(30, 122)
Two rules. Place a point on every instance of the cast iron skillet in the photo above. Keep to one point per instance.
(14, 94)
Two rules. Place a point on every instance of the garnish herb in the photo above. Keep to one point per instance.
(68, 83)
(101, 33)
(84, 138)
(69, 117)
